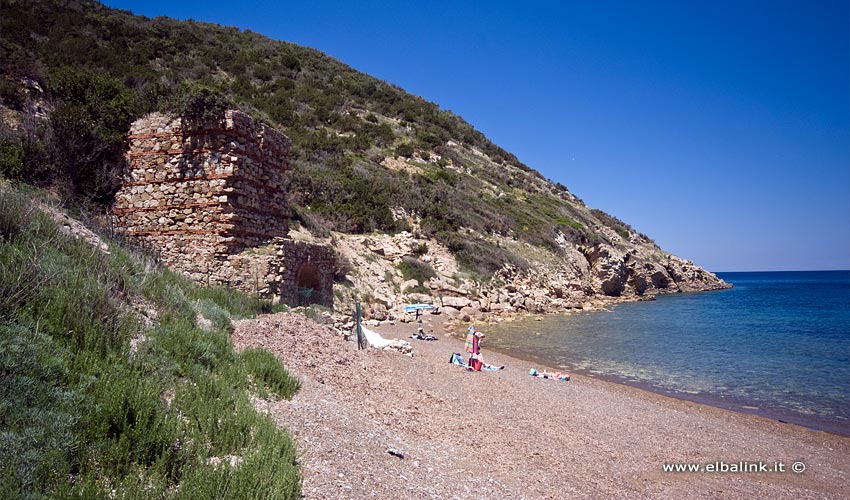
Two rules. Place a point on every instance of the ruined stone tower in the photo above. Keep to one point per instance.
(210, 197)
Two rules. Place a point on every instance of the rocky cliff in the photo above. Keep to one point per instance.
(384, 277)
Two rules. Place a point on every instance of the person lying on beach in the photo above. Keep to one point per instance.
(420, 335)
(492, 368)
(563, 377)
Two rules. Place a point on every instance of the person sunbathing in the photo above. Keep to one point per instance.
(421, 335)
(563, 377)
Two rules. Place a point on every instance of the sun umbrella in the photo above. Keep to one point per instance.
(418, 307)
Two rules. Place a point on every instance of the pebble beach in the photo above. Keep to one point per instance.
(381, 424)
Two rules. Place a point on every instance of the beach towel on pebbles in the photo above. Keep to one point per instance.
(457, 359)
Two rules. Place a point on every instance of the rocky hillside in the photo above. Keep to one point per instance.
(420, 202)
(390, 271)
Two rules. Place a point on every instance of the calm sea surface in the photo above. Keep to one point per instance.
(778, 344)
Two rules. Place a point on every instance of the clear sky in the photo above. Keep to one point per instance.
(720, 129)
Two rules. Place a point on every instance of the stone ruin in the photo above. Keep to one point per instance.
(210, 198)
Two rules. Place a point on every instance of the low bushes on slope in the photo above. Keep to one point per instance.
(94, 404)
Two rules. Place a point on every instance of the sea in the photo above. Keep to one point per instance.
(776, 345)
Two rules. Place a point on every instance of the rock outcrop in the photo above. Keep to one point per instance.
(608, 268)
(584, 278)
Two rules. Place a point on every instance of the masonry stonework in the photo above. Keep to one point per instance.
(210, 197)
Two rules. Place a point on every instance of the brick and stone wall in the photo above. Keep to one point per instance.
(211, 198)
(309, 276)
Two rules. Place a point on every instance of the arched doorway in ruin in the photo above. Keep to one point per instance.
(308, 282)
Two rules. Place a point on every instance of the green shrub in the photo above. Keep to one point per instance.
(82, 417)
(12, 93)
(419, 249)
(418, 288)
(414, 269)
(341, 266)
(16, 214)
(480, 259)
(404, 150)
(437, 174)
(566, 221)
(38, 413)
(620, 227)
(269, 372)
(28, 154)
(199, 102)
(131, 427)
(90, 126)
(215, 314)
(11, 158)
(232, 301)
(355, 198)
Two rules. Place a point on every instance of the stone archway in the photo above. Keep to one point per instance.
(308, 282)
(306, 275)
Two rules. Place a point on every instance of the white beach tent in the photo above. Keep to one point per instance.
(375, 340)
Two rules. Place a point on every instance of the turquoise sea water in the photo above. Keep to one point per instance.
(777, 344)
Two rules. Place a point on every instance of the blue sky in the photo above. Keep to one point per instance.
(719, 129)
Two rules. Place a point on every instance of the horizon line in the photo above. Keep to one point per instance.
(785, 271)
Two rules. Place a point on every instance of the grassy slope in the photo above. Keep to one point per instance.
(82, 415)
(343, 124)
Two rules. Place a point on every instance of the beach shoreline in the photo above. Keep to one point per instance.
(508, 435)
(812, 424)
(454, 329)
(764, 407)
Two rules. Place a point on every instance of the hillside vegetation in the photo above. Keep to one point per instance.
(367, 156)
(118, 378)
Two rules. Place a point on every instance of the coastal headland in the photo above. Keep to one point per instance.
(379, 424)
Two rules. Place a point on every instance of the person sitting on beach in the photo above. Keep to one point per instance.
(473, 346)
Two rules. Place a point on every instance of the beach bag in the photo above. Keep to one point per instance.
(475, 364)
